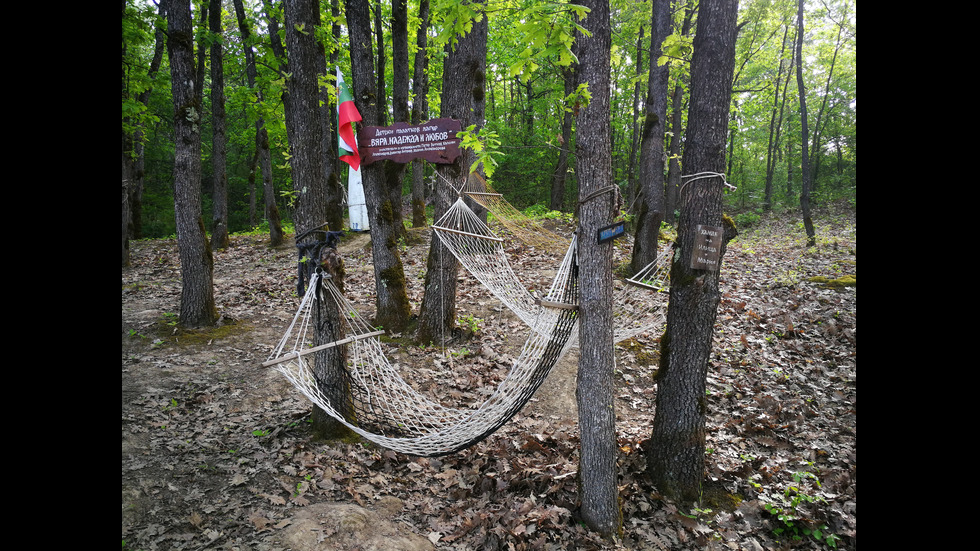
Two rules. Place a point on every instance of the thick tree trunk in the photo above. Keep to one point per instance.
(599, 495)
(219, 219)
(675, 457)
(393, 308)
(197, 306)
(462, 99)
(652, 152)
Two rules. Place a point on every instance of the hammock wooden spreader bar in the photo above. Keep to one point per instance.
(461, 232)
(295, 355)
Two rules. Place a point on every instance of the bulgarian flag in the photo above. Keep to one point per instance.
(347, 116)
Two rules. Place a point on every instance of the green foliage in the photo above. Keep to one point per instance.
(548, 31)
(485, 146)
(529, 44)
(786, 508)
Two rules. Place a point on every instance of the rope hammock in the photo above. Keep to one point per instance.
(360, 388)
(639, 301)
(382, 407)
(523, 228)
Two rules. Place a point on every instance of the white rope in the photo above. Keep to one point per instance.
(389, 410)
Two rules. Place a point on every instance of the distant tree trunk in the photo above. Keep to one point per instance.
(598, 491)
(635, 126)
(676, 129)
(652, 152)
(334, 201)
(774, 123)
(420, 112)
(675, 457)
(462, 99)
(393, 308)
(197, 306)
(270, 208)
(805, 172)
(219, 220)
(560, 175)
(133, 150)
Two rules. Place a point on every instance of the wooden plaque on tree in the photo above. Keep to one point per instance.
(435, 141)
(707, 248)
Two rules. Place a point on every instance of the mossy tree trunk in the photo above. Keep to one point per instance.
(462, 99)
(675, 457)
(393, 308)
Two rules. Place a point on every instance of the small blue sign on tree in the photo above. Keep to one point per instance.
(612, 231)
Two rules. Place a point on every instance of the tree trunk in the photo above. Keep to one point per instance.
(261, 134)
(771, 147)
(393, 308)
(420, 112)
(463, 100)
(197, 306)
(219, 220)
(652, 152)
(675, 457)
(676, 129)
(334, 190)
(133, 150)
(598, 491)
(560, 175)
(805, 172)
(631, 176)
(330, 365)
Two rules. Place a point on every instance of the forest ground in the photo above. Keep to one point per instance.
(216, 451)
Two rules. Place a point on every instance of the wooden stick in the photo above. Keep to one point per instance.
(484, 193)
(553, 304)
(294, 355)
(644, 285)
(461, 232)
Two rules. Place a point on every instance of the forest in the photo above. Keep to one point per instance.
(623, 317)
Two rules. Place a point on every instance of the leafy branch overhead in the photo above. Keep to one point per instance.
(485, 145)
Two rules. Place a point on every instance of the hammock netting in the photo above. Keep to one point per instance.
(353, 381)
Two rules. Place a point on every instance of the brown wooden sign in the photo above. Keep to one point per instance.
(435, 141)
(707, 248)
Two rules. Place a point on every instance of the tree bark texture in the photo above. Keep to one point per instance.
(652, 152)
(675, 457)
(303, 119)
(463, 100)
(219, 218)
(197, 306)
(599, 495)
(393, 308)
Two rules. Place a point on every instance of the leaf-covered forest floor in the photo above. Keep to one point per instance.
(217, 454)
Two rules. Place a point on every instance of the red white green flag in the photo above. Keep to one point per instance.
(348, 115)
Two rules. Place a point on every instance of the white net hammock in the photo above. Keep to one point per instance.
(639, 302)
(379, 405)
